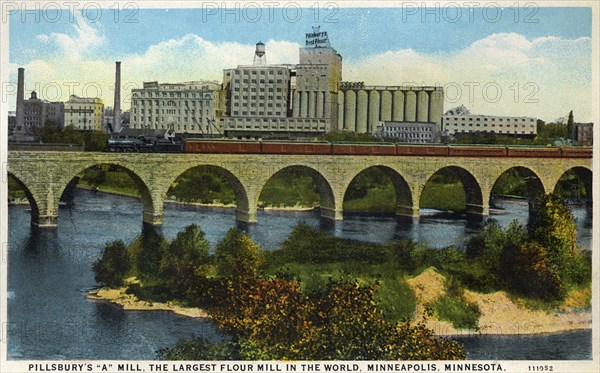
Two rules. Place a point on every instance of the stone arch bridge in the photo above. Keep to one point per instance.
(45, 176)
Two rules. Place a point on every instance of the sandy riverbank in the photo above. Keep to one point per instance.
(132, 303)
(499, 314)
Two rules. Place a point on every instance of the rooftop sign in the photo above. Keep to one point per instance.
(317, 38)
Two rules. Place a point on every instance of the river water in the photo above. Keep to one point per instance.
(49, 273)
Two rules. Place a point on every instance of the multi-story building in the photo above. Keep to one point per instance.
(284, 100)
(408, 132)
(456, 123)
(36, 112)
(310, 98)
(191, 107)
(84, 113)
(583, 133)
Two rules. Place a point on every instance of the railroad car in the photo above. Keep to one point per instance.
(222, 147)
(572, 152)
(432, 150)
(364, 149)
(532, 152)
(322, 148)
(477, 151)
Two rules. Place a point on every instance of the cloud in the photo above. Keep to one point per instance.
(86, 38)
(501, 74)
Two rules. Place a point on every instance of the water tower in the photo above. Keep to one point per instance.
(260, 57)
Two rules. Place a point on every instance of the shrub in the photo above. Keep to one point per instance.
(236, 256)
(533, 275)
(112, 267)
(273, 319)
(185, 263)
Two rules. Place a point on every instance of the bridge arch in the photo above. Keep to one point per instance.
(534, 185)
(330, 205)
(404, 202)
(151, 207)
(584, 174)
(33, 201)
(241, 195)
(471, 185)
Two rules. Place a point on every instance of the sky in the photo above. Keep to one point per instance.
(521, 60)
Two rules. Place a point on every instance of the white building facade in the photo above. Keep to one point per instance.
(84, 113)
(191, 107)
(501, 125)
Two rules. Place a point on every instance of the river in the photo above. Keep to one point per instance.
(49, 274)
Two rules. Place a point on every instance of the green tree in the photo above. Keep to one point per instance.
(274, 319)
(152, 248)
(112, 267)
(533, 274)
(185, 264)
(237, 256)
(570, 125)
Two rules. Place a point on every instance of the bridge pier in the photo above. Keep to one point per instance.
(478, 210)
(152, 218)
(408, 211)
(332, 213)
(44, 221)
(245, 216)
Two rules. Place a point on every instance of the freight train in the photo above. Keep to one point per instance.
(384, 149)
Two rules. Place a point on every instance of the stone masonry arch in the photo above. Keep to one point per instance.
(472, 187)
(33, 200)
(241, 195)
(585, 174)
(331, 201)
(151, 207)
(404, 201)
(535, 184)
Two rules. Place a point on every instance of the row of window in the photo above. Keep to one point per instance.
(493, 125)
(162, 119)
(138, 94)
(168, 103)
(256, 72)
(491, 119)
(252, 112)
(507, 132)
(408, 129)
(170, 111)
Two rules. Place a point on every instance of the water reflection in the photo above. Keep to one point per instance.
(49, 273)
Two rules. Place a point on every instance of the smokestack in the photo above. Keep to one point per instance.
(20, 119)
(117, 105)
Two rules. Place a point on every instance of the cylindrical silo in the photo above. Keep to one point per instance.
(436, 108)
(320, 104)
(362, 108)
(373, 111)
(398, 106)
(312, 106)
(350, 111)
(410, 107)
(296, 105)
(422, 106)
(303, 104)
(340, 104)
(386, 106)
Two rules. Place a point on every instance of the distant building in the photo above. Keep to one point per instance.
(36, 113)
(408, 132)
(310, 98)
(84, 113)
(191, 107)
(457, 122)
(262, 101)
(583, 133)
